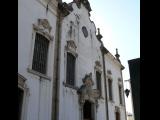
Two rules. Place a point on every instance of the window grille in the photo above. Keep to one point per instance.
(39, 63)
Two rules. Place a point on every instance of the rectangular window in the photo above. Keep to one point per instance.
(110, 89)
(120, 95)
(70, 69)
(40, 54)
(98, 78)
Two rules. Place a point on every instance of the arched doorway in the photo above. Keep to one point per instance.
(88, 111)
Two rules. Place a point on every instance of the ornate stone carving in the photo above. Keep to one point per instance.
(98, 66)
(44, 24)
(85, 3)
(86, 92)
(44, 27)
(117, 109)
(109, 72)
(71, 47)
(65, 8)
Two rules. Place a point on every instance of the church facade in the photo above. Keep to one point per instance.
(64, 70)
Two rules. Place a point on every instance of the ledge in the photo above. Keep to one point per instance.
(38, 74)
(70, 86)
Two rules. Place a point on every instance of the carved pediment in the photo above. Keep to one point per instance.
(117, 109)
(86, 92)
(71, 47)
(87, 80)
(44, 27)
(98, 64)
(44, 24)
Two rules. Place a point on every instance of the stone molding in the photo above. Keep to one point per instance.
(71, 47)
(98, 66)
(43, 26)
(21, 81)
(86, 92)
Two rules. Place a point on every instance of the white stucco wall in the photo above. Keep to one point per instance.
(39, 95)
(88, 50)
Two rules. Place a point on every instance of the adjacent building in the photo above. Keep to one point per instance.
(134, 69)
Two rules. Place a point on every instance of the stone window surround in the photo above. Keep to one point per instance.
(98, 68)
(121, 85)
(42, 27)
(70, 48)
(111, 79)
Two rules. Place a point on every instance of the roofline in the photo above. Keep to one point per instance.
(106, 51)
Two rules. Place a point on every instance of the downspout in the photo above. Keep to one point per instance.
(56, 80)
(104, 70)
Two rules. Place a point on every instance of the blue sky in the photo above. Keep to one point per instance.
(119, 23)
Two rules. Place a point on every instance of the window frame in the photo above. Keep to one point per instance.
(50, 39)
(71, 48)
(120, 84)
(74, 81)
(100, 82)
(98, 68)
(46, 64)
(110, 89)
(120, 89)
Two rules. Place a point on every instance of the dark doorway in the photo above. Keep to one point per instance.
(88, 111)
(117, 116)
(20, 102)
